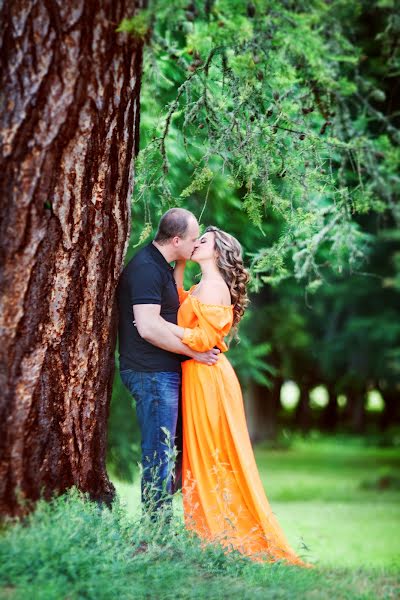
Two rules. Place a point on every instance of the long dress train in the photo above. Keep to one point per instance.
(223, 497)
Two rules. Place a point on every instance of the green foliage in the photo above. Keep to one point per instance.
(267, 106)
(123, 451)
(137, 26)
(250, 359)
(198, 183)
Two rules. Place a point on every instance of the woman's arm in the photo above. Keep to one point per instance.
(214, 319)
(179, 272)
(175, 329)
(208, 293)
(203, 337)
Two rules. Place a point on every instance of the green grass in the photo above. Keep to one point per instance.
(318, 491)
(70, 549)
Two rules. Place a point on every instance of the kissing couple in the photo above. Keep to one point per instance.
(172, 353)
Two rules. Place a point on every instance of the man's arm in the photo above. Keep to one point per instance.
(152, 327)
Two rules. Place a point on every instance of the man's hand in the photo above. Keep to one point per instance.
(207, 358)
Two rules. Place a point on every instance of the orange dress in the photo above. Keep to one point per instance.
(223, 497)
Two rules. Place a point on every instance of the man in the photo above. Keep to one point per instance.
(150, 355)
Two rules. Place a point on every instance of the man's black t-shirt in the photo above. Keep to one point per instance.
(146, 279)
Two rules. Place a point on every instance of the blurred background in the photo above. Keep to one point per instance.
(280, 125)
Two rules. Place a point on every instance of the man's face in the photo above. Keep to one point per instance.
(187, 245)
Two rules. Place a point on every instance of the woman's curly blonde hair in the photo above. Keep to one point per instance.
(230, 264)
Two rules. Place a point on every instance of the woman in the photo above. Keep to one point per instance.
(223, 496)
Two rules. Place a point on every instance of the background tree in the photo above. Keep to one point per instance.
(70, 116)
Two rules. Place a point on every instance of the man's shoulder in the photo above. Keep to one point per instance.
(143, 260)
(143, 256)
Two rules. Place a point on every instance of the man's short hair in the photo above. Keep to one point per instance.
(173, 223)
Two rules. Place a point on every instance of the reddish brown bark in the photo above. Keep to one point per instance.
(70, 96)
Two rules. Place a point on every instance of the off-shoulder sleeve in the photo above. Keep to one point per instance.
(183, 294)
(214, 323)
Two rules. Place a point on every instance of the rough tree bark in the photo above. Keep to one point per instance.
(70, 116)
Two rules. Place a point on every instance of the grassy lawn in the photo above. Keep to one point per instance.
(340, 499)
(324, 493)
(319, 492)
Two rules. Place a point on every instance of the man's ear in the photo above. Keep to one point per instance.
(175, 241)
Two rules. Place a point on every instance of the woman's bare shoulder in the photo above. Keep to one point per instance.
(213, 292)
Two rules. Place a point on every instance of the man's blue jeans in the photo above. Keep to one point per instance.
(157, 401)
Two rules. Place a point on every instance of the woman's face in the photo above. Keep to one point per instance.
(205, 249)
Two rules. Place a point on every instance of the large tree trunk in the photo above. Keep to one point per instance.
(331, 412)
(262, 409)
(70, 115)
(356, 400)
(303, 410)
(391, 412)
